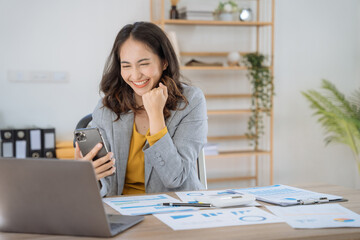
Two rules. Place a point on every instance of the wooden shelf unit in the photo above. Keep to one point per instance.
(238, 154)
(228, 137)
(211, 23)
(227, 112)
(231, 179)
(214, 96)
(212, 68)
(257, 24)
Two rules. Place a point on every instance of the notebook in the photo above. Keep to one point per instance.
(55, 197)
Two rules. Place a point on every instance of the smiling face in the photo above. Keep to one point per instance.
(140, 67)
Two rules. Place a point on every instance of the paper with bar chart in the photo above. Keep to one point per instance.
(143, 205)
(217, 218)
(193, 195)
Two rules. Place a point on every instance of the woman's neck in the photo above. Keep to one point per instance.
(138, 100)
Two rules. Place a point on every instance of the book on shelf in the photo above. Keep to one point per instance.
(197, 63)
(184, 13)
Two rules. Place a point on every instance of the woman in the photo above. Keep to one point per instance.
(155, 126)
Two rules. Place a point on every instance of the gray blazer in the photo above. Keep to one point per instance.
(171, 163)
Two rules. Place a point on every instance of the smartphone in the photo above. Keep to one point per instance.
(87, 138)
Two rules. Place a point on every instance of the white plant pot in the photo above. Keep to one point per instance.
(226, 16)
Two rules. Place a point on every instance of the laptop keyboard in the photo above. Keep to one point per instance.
(119, 223)
(114, 226)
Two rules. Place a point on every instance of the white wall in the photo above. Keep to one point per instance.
(314, 40)
(75, 36)
(50, 35)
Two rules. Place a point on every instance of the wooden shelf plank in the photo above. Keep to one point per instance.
(230, 179)
(209, 54)
(237, 154)
(225, 112)
(233, 137)
(244, 95)
(213, 68)
(214, 23)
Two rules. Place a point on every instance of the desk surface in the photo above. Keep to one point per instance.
(152, 228)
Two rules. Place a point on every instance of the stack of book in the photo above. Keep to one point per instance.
(65, 150)
(185, 13)
(197, 12)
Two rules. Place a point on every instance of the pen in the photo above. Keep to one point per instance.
(187, 204)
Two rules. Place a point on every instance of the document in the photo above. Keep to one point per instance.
(317, 216)
(217, 218)
(193, 195)
(286, 196)
(143, 205)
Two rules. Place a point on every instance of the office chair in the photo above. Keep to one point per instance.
(201, 167)
(84, 122)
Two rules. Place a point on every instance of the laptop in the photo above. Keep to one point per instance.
(53, 196)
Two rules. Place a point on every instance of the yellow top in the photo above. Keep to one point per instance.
(135, 170)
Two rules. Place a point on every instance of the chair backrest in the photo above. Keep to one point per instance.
(84, 122)
(201, 167)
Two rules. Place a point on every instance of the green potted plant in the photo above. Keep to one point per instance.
(339, 116)
(227, 11)
(262, 93)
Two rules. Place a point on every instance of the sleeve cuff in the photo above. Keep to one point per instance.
(154, 138)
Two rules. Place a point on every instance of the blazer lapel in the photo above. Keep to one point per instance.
(122, 130)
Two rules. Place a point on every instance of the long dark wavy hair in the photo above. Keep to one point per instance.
(118, 95)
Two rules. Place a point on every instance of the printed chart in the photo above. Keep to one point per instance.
(143, 205)
(285, 195)
(317, 216)
(217, 218)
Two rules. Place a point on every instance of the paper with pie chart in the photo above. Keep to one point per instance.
(317, 216)
(217, 218)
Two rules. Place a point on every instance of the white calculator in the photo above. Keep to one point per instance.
(227, 200)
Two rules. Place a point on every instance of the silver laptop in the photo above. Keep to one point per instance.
(55, 197)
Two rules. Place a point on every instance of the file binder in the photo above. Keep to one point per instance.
(48, 143)
(7, 143)
(35, 150)
(21, 143)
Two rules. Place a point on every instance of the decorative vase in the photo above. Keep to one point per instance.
(226, 16)
(174, 14)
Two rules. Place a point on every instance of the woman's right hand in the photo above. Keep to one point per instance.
(103, 166)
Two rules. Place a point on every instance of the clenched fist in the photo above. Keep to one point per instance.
(154, 101)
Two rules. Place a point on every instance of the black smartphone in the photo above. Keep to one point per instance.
(87, 138)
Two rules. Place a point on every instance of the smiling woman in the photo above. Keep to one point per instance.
(154, 125)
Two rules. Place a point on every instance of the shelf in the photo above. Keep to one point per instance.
(226, 112)
(238, 154)
(230, 179)
(233, 137)
(212, 68)
(209, 54)
(257, 40)
(212, 23)
(215, 96)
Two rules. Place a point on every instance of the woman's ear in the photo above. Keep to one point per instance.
(165, 65)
